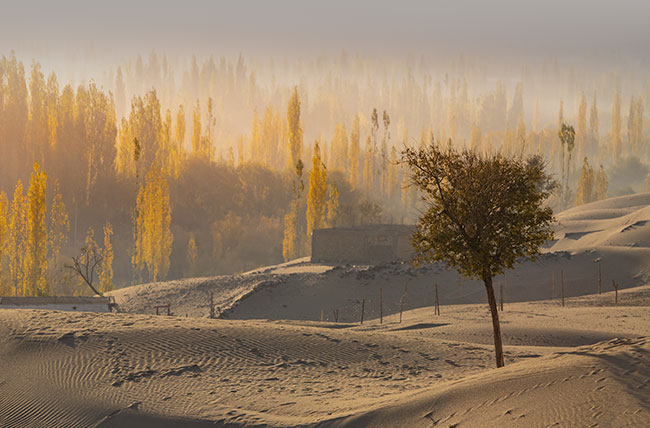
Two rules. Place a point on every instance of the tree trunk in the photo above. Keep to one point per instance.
(496, 327)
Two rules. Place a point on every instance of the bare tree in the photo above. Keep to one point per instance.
(484, 213)
(86, 264)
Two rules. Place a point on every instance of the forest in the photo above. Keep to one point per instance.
(178, 167)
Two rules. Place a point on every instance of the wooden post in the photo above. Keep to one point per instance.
(336, 315)
(363, 307)
(600, 279)
(615, 285)
(501, 295)
(212, 312)
(562, 281)
(437, 307)
(381, 308)
(322, 315)
(401, 302)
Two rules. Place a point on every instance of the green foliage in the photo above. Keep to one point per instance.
(484, 213)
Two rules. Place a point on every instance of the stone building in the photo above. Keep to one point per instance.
(368, 244)
(60, 303)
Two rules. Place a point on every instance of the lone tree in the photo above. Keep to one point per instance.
(88, 262)
(484, 213)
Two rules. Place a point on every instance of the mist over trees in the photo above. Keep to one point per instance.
(204, 166)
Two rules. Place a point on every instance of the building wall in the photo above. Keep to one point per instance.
(363, 244)
(58, 303)
(68, 307)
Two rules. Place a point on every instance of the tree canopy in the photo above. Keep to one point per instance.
(484, 213)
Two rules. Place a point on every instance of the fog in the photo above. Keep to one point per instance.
(579, 28)
(198, 94)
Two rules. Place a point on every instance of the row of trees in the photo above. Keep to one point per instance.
(33, 232)
(163, 174)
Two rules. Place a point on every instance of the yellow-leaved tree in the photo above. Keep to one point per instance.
(153, 237)
(291, 243)
(4, 229)
(355, 153)
(58, 233)
(333, 206)
(585, 191)
(36, 243)
(192, 255)
(316, 198)
(15, 248)
(295, 129)
(339, 148)
(615, 131)
(601, 184)
(106, 268)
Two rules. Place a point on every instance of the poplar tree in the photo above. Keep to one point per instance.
(521, 137)
(256, 145)
(290, 239)
(153, 237)
(316, 199)
(339, 148)
(581, 127)
(291, 243)
(383, 158)
(4, 234)
(560, 124)
(179, 132)
(196, 130)
(368, 162)
(52, 113)
(615, 132)
(635, 125)
(567, 138)
(295, 129)
(601, 184)
(355, 153)
(36, 245)
(270, 137)
(192, 255)
(594, 134)
(106, 268)
(393, 175)
(585, 190)
(333, 206)
(37, 124)
(475, 139)
(59, 228)
(16, 240)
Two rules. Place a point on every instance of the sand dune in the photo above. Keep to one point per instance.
(80, 369)
(270, 362)
(606, 385)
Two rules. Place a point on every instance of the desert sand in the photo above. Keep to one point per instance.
(269, 360)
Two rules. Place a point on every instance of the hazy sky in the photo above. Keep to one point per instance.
(122, 27)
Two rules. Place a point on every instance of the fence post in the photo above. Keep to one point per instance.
(615, 285)
(212, 313)
(437, 307)
(363, 307)
(562, 281)
(381, 307)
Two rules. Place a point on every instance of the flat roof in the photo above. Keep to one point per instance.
(370, 228)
